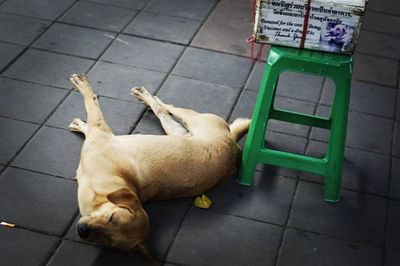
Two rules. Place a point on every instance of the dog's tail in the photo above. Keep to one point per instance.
(239, 128)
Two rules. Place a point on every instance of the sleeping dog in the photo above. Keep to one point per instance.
(116, 174)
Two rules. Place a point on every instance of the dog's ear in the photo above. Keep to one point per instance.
(124, 197)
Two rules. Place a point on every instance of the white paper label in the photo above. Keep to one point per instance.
(330, 27)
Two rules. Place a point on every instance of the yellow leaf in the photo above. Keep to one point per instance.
(202, 202)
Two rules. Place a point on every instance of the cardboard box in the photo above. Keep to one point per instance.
(331, 26)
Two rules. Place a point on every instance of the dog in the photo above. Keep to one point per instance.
(117, 174)
(342, 35)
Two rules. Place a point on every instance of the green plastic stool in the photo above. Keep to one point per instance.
(336, 67)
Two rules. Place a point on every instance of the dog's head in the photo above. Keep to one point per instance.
(120, 223)
(338, 31)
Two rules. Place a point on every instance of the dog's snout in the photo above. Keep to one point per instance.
(83, 230)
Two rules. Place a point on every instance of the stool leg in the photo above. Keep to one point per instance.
(337, 141)
(256, 134)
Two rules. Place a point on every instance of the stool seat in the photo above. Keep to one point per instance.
(282, 59)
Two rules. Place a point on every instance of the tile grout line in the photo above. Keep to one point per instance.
(55, 108)
(57, 246)
(296, 187)
(169, 73)
(173, 238)
(397, 104)
(52, 252)
(27, 47)
(241, 90)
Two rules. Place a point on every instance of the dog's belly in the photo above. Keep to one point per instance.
(167, 167)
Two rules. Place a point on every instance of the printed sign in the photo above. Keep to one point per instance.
(328, 27)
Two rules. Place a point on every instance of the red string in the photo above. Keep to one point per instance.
(260, 53)
(250, 40)
(305, 24)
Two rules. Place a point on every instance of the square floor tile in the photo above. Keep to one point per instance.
(302, 248)
(246, 103)
(72, 253)
(356, 216)
(299, 86)
(290, 84)
(223, 69)
(23, 247)
(8, 52)
(393, 226)
(365, 97)
(20, 30)
(369, 133)
(229, 38)
(254, 80)
(375, 69)
(27, 101)
(46, 9)
(120, 116)
(165, 220)
(284, 142)
(396, 139)
(137, 52)
(267, 199)
(52, 151)
(195, 9)
(13, 135)
(392, 257)
(277, 171)
(294, 106)
(102, 17)
(116, 81)
(362, 171)
(37, 201)
(379, 44)
(227, 28)
(74, 40)
(200, 96)
(394, 189)
(149, 124)
(380, 22)
(388, 6)
(163, 27)
(239, 241)
(360, 132)
(271, 170)
(137, 4)
(47, 68)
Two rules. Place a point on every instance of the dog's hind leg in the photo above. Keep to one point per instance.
(94, 115)
(169, 124)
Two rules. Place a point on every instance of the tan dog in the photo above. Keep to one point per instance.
(118, 173)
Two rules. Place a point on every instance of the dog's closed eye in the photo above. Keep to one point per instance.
(111, 218)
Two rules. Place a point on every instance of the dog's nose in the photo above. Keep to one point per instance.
(83, 230)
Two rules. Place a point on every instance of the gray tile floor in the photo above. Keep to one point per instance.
(192, 53)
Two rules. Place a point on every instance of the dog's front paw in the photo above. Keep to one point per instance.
(80, 81)
(140, 93)
(78, 125)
